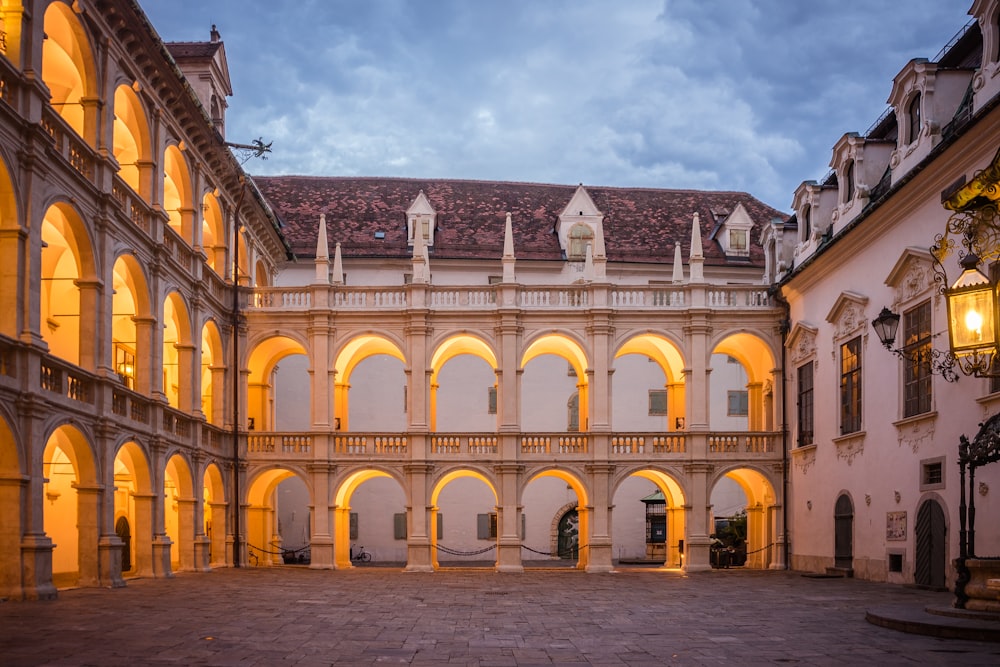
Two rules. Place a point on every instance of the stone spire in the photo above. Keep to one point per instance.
(696, 259)
(600, 257)
(678, 276)
(419, 256)
(322, 254)
(508, 252)
(588, 264)
(338, 266)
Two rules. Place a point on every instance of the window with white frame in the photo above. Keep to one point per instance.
(850, 386)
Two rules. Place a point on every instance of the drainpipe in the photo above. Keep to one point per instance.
(237, 551)
(786, 323)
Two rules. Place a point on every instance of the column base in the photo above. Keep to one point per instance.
(109, 561)
(202, 547)
(161, 557)
(321, 553)
(418, 557)
(36, 556)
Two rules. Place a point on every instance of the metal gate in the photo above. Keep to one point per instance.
(931, 550)
(843, 532)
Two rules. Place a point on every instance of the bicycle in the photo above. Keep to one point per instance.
(360, 556)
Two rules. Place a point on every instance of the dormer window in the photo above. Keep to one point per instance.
(849, 182)
(580, 236)
(806, 220)
(913, 112)
(420, 219)
(738, 242)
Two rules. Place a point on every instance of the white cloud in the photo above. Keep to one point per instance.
(729, 94)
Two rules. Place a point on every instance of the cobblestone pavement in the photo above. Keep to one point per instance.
(297, 616)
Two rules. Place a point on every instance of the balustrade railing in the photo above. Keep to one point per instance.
(78, 154)
(677, 445)
(66, 380)
(743, 443)
(648, 444)
(529, 297)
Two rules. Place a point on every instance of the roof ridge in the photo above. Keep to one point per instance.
(417, 179)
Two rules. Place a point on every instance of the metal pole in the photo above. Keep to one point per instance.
(237, 550)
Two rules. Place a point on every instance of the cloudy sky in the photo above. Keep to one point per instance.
(706, 94)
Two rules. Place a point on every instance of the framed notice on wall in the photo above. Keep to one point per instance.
(895, 525)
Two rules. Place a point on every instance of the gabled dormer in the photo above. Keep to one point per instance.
(579, 225)
(733, 232)
(206, 69)
(986, 81)
(925, 98)
(814, 205)
(421, 216)
(859, 164)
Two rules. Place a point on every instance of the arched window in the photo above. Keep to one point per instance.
(913, 110)
(849, 182)
(580, 236)
(806, 223)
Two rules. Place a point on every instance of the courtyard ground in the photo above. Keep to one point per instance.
(366, 616)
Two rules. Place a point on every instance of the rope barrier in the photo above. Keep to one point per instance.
(762, 548)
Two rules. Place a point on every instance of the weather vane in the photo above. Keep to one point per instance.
(256, 148)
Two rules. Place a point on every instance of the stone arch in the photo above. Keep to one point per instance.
(213, 233)
(762, 513)
(11, 261)
(131, 324)
(179, 511)
(352, 353)
(69, 286)
(450, 348)
(131, 140)
(578, 485)
(11, 508)
(263, 546)
(178, 352)
(212, 374)
(757, 357)
(71, 506)
(68, 69)
(261, 276)
(134, 501)
(668, 357)
(568, 347)
(214, 515)
(437, 487)
(177, 198)
(675, 495)
(264, 356)
(343, 492)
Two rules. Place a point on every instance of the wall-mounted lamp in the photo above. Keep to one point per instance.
(935, 361)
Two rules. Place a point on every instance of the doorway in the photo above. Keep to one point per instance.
(931, 548)
(843, 532)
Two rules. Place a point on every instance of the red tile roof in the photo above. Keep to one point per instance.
(640, 225)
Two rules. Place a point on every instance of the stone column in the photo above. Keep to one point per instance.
(697, 544)
(321, 544)
(342, 537)
(148, 358)
(599, 554)
(142, 534)
(755, 406)
(87, 517)
(217, 538)
(509, 517)
(419, 554)
(185, 376)
(11, 493)
(36, 546)
(12, 244)
(161, 541)
(90, 311)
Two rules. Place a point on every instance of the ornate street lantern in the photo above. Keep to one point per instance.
(972, 325)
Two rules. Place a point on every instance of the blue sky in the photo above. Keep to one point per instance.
(706, 94)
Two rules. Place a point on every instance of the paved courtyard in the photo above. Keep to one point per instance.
(297, 616)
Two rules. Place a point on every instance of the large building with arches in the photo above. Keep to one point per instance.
(203, 369)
